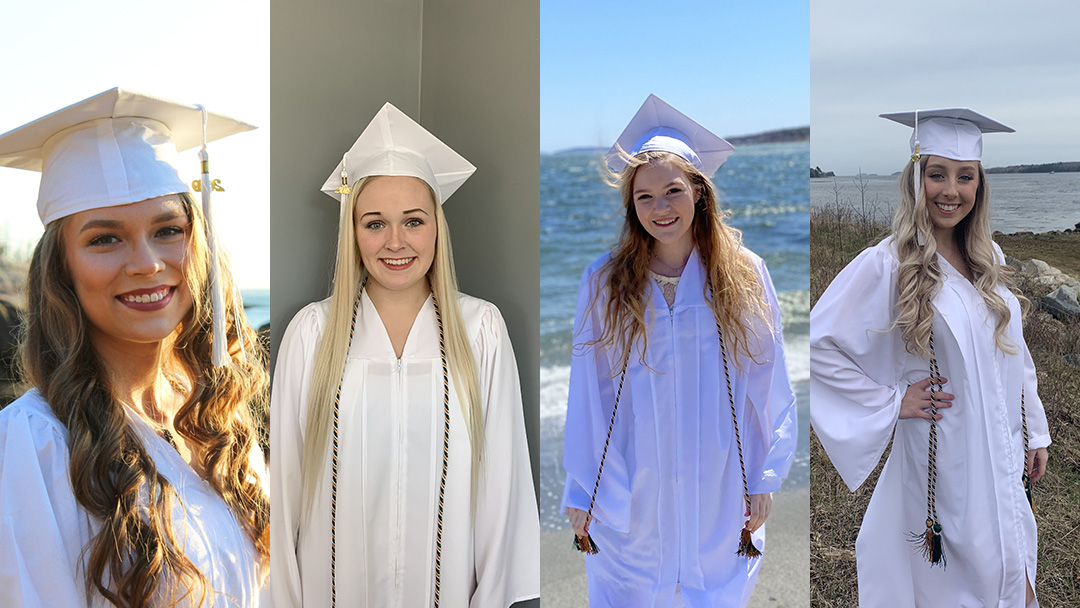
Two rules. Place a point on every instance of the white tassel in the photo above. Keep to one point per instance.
(220, 354)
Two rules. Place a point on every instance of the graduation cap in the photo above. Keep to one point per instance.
(394, 144)
(118, 148)
(658, 126)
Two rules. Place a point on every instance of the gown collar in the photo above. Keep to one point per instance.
(371, 341)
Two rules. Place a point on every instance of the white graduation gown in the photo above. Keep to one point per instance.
(389, 464)
(44, 530)
(670, 506)
(859, 373)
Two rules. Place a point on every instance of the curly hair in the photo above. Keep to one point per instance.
(919, 277)
(136, 556)
(737, 298)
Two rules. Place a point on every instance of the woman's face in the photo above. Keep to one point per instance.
(950, 187)
(127, 267)
(664, 200)
(395, 231)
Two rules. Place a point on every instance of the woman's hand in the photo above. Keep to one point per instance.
(1036, 463)
(916, 401)
(579, 520)
(760, 507)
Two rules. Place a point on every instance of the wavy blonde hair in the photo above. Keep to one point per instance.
(136, 556)
(738, 295)
(349, 273)
(919, 277)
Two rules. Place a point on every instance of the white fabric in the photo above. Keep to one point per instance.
(670, 506)
(394, 144)
(114, 148)
(389, 463)
(44, 530)
(659, 126)
(954, 133)
(859, 373)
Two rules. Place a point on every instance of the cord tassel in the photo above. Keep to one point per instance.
(746, 545)
(586, 544)
(930, 542)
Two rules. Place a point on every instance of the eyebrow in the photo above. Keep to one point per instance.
(161, 218)
(674, 182)
(406, 212)
(943, 167)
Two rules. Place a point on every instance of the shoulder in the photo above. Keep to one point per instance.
(481, 317)
(31, 412)
(310, 320)
(999, 255)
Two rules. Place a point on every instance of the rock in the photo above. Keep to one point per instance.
(1013, 263)
(1042, 281)
(1034, 268)
(1062, 304)
(1072, 359)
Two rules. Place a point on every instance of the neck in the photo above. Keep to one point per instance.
(945, 239)
(673, 256)
(136, 372)
(412, 298)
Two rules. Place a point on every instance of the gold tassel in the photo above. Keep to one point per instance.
(585, 544)
(746, 546)
(929, 543)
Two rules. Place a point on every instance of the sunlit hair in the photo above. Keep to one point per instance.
(620, 287)
(137, 554)
(333, 347)
(919, 277)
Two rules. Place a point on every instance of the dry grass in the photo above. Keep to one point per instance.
(837, 235)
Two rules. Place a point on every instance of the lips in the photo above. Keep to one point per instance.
(154, 298)
(665, 222)
(947, 208)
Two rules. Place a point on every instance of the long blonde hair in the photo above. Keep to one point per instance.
(919, 278)
(136, 555)
(737, 297)
(333, 347)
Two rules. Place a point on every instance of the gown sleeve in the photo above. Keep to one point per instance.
(856, 364)
(507, 530)
(43, 532)
(292, 376)
(1038, 429)
(593, 385)
(772, 401)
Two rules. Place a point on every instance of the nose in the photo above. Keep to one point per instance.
(950, 188)
(145, 260)
(395, 239)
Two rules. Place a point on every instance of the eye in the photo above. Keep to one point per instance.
(414, 222)
(104, 240)
(967, 178)
(935, 175)
(171, 231)
(675, 190)
(643, 197)
(375, 225)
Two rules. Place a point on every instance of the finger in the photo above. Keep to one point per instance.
(928, 416)
(1041, 457)
(923, 384)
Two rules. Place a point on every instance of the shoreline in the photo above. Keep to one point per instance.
(784, 580)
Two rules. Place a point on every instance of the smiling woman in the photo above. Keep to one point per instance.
(130, 474)
(396, 409)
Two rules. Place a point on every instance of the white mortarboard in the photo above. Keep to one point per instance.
(114, 148)
(659, 127)
(117, 148)
(954, 133)
(394, 144)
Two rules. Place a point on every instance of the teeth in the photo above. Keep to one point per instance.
(665, 222)
(147, 298)
(401, 262)
(947, 207)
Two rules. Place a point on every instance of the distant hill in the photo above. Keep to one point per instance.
(817, 172)
(767, 137)
(1068, 167)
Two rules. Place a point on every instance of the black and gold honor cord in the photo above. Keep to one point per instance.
(445, 457)
(930, 542)
(746, 548)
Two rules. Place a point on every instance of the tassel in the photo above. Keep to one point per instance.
(930, 544)
(746, 546)
(585, 544)
(1027, 490)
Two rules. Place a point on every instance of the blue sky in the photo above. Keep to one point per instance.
(736, 67)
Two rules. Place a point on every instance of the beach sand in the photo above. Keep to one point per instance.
(784, 581)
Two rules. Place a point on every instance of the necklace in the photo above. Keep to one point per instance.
(669, 270)
(445, 456)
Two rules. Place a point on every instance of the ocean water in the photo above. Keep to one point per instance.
(766, 189)
(1036, 202)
